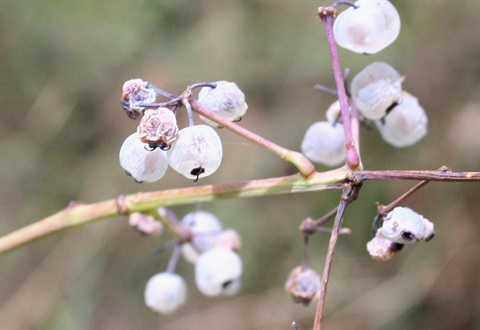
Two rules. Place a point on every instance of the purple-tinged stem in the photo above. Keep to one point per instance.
(327, 15)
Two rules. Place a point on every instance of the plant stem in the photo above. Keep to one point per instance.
(348, 193)
(327, 15)
(79, 214)
(304, 166)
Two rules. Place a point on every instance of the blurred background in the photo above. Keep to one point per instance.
(63, 64)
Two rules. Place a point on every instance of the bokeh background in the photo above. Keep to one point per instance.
(63, 64)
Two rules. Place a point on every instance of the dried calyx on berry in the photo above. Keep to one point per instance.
(140, 163)
(158, 128)
(135, 94)
(303, 284)
(368, 27)
(226, 100)
(197, 152)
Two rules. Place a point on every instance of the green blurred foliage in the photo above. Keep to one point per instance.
(62, 67)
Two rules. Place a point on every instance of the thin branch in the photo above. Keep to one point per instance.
(79, 214)
(348, 193)
(327, 15)
(419, 175)
(304, 166)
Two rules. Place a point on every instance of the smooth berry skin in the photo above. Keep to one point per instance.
(140, 162)
(369, 28)
(406, 124)
(197, 152)
(324, 143)
(165, 293)
(226, 100)
(218, 271)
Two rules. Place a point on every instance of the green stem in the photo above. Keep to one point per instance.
(79, 214)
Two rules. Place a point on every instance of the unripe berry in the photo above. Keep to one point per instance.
(303, 284)
(165, 293)
(158, 128)
(140, 163)
(226, 100)
(368, 29)
(405, 124)
(375, 89)
(197, 152)
(324, 143)
(404, 226)
(218, 271)
(134, 93)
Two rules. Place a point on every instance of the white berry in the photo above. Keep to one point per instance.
(368, 29)
(165, 293)
(204, 228)
(197, 152)
(218, 271)
(404, 226)
(226, 100)
(405, 124)
(376, 88)
(324, 143)
(140, 163)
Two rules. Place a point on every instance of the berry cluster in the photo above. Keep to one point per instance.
(376, 92)
(206, 244)
(401, 226)
(194, 151)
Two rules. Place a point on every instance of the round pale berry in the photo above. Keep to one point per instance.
(405, 124)
(369, 28)
(226, 100)
(197, 152)
(375, 89)
(218, 271)
(324, 143)
(165, 293)
(204, 228)
(139, 162)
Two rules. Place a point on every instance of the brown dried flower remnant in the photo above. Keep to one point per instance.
(303, 284)
(136, 92)
(158, 128)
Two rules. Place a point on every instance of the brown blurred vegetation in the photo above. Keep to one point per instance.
(62, 67)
